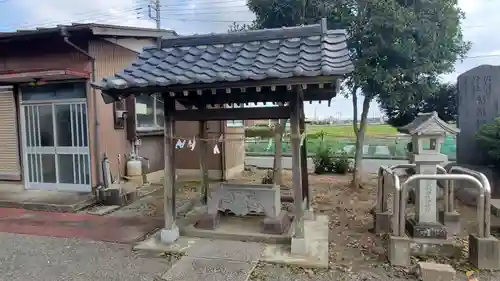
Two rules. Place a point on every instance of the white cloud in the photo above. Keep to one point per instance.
(204, 16)
(53, 12)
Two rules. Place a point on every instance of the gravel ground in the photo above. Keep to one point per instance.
(27, 258)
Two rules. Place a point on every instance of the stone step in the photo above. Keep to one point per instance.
(214, 260)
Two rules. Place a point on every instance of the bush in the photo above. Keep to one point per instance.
(341, 163)
(263, 133)
(323, 161)
(488, 138)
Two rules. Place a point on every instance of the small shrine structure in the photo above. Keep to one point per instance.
(207, 74)
(427, 133)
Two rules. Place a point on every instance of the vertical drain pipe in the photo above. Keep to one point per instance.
(97, 137)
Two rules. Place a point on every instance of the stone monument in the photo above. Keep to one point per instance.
(478, 104)
(427, 133)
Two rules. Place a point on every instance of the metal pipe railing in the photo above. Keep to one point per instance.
(381, 198)
(404, 189)
(483, 200)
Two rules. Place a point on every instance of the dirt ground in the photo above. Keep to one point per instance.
(355, 252)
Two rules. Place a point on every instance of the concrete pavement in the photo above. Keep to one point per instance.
(27, 258)
(266, 162)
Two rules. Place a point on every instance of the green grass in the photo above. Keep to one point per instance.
(347, 130)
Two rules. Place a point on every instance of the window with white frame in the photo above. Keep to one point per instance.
(235, 123)
(149, 113)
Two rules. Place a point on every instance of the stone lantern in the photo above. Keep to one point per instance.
(427, 133)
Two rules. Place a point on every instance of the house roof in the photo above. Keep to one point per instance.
(305, 51)
(93, 28)
(428, 123)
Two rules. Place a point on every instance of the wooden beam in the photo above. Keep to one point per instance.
(303, 80)
(202, 130)
(169, 168)
(250, 113)
(306, 192)
(296, 167)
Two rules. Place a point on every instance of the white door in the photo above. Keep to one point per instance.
(56, 146)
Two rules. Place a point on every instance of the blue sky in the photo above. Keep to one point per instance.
(205, 16)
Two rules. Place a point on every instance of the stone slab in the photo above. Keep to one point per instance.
(484, 253)
(194, 269)
(248, 228)
(226, 250)
(429, 271)
(103, 210)
(399, 250)
(153, 244)
(425, 230)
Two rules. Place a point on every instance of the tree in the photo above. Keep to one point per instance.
(394, 44)
(443, 100)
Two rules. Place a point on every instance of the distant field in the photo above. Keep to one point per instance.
(380, 130)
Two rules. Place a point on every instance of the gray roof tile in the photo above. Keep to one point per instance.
(255, 55)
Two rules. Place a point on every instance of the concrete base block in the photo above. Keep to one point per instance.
(424, 247)
(309, 215)
(208, 221)
(169, 236)
(382, 222)
(484, 253)
(425, 230)
(278, 225)
(451, 221)
(429, 271)
(299, 246)
(399, 250)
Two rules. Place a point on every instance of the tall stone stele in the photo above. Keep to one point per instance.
(427, 133)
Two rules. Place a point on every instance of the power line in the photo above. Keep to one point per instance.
(88, 15)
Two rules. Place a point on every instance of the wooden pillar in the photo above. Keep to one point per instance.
(170, 233)
(296, 167)
(202, 131)
(278, 146)
(306, 192)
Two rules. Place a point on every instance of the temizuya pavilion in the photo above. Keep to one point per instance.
(205, 73)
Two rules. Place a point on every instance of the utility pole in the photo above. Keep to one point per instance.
(154, 6)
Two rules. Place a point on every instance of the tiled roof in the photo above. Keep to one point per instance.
(94, 28)
(429, 121)
(254, 55)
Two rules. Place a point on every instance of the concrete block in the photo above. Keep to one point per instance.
(484, 253)
(451, 221)
(399, 250)
(169, 236)
(382, 222)
(429, 271)
(278, 225)
(299, 247)
(424, 247)
(309, 215)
